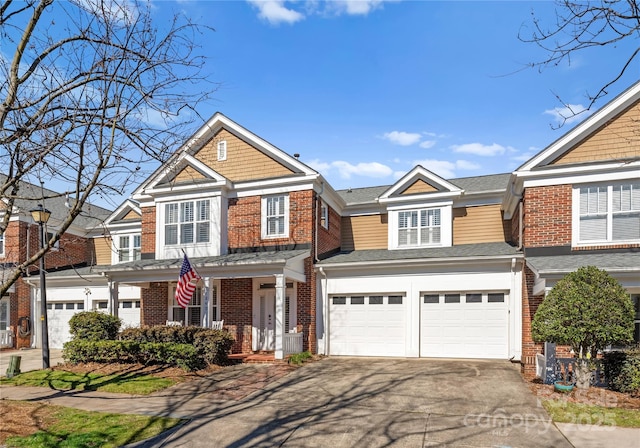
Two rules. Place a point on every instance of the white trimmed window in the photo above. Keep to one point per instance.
(324, 215)
(222, 150)
(275, 216)
(607, 213)
(129, 248)
(187, 222)
(419, 228)
(192, 314)
(1, 243)
(4, 314)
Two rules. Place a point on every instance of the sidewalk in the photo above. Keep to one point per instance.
(30, 359)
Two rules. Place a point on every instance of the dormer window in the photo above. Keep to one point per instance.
(222, 150)
(187, 222)
(419, 227)
(129, 248)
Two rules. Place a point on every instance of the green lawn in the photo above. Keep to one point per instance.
(567, 412)
(73, 428)
(128, 383)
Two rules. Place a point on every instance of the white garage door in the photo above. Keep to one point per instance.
(58, 315)
(464, 325)
(367, 325)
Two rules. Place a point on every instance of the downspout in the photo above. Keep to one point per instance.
(325, 313)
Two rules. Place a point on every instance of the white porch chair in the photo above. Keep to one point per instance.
(174, 323)
(217, 324)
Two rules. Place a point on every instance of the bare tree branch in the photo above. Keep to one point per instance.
(95, 95)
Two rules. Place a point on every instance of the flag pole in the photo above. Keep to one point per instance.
(192, 266)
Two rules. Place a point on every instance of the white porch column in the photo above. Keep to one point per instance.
(113, 298)
(281, 291)
(206, 303)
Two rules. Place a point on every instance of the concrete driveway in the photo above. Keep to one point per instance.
(365, 402)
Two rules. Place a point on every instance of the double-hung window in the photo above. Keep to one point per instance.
(609, 213)
(275, 216)
(187, 222)
(129, 248)
(419, 227)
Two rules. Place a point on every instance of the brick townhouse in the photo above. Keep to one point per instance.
(426, 267)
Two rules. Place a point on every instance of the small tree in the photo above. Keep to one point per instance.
(587, 310)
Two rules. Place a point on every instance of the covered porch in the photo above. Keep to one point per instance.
(256, 296)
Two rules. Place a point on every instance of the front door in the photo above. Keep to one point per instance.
(266, 320)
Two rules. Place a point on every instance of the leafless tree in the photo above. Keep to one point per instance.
(581, 25)
(93, 94)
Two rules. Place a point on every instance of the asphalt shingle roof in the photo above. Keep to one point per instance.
(624, 261)
(239, 259)
(469, 184)
(481, 250)
(91, 216)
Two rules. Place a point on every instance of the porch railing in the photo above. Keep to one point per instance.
(6, 338)
(292, 343)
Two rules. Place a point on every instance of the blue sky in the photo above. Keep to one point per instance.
(365, 90)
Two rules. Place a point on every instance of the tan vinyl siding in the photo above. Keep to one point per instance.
(364, 232)
(482, 224)
(132, 215)
(419, 186)
(187, 174)
(618, 139)
(244, 162)
(103, 250)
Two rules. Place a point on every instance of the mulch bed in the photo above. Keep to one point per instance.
(175, 373)
(597, 396)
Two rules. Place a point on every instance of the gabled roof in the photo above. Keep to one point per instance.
(439, 187)
(589, 126)
(470, 185)
(123, 210)
(184, 155)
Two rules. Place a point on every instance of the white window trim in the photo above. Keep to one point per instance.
(3, 243)
(446, 227)
(163, 224)
(575, 216)
(263, 218)
(324, 214)
(222, 150)
(172, 305)
(116, 245)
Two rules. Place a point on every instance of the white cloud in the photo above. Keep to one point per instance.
(442, 168)
(358, 7)
(426, 144)
(345, 169)
(445, 168)
(569, 113)
(275, 11)
(481, 150)
(402, 138)
(367, 169)
(466, 165)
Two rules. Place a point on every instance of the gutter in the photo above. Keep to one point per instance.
(421, 261)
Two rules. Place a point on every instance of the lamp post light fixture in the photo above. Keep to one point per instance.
(41, 215)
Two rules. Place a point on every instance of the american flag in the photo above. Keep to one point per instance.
(186, 286)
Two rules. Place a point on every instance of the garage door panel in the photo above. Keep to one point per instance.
(465, 329)
(367, 329)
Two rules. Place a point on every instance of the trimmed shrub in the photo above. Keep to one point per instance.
(211, 345)
(622, 369)
(94, 326)
(180, 355)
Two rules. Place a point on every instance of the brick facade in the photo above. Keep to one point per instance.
(236, 309)
(547, 216)
(154, 306)
(244, 222)
(530, 304)
(328, 239)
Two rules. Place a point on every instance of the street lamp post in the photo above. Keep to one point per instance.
(41, 216)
